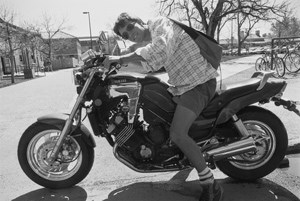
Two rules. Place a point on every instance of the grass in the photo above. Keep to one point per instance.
(6, 81)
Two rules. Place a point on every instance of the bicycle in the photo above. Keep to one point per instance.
(264, 64)
(292, 60)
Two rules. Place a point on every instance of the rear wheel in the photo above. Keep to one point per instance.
(271, 141)
(72, 165)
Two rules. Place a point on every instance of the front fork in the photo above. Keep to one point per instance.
(63, 134)
(69, 122)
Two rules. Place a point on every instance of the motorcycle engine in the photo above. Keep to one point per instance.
(157, 134)
(138, 141)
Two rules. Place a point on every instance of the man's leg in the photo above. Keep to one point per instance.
(182, 121)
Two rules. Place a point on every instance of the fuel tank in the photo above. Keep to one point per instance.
(158, 105)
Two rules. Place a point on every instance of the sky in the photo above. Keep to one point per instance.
(103, 13)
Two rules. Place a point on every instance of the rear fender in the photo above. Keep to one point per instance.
(58, 120)
(268, 91)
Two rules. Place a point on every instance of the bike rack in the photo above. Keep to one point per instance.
(283, 38)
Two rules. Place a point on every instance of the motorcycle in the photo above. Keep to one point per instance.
(134, 111)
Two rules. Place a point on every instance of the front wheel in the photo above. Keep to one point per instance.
(72, 165)
(271, 141)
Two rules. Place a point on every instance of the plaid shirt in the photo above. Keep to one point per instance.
(177, 52)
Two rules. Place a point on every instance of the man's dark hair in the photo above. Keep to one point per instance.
(123, 20)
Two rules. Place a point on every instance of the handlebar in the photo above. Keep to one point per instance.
(94, 59)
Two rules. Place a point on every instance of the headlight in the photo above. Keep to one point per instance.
(88, 55)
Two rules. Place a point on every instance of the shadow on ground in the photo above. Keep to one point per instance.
(176, 189)
(75, 193)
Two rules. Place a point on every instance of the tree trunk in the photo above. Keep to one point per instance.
(12, 63)
(12, 67)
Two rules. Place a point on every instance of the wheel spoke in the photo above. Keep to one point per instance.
(265, 142)
(39, 150)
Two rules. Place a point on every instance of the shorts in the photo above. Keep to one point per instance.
(197, 98)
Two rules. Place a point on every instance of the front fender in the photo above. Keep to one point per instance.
(58, 120)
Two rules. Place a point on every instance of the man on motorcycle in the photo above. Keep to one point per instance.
(191, 76)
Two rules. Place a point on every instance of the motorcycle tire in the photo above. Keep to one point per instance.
(271, 140)
(36, 145)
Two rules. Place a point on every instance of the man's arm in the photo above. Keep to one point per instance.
(124, 59)
(130, 57)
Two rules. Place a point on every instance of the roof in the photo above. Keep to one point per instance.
(87, 38)
(254, 38)
(2, 22)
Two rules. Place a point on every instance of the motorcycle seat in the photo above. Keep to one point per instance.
(230, 92)
(242, 87)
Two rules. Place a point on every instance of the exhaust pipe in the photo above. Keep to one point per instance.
(231, 149)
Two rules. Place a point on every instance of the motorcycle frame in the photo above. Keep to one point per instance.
(133, 91)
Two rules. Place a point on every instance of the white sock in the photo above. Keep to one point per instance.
(206, 177)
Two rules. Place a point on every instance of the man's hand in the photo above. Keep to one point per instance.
(111, 59)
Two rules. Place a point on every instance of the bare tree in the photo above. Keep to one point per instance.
(9, 38)
(255, 12)
(210, 13)
(49, 29)
(286, 26)
(32, 39)
(47, 36)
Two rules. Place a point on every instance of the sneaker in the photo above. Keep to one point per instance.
(213, 192)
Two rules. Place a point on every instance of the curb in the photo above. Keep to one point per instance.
(293, 149)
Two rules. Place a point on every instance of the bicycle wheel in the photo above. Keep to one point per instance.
(260, 64)
(279, 67)
(292, 62)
